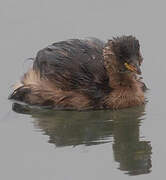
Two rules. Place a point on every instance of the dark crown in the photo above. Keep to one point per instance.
(125, 47)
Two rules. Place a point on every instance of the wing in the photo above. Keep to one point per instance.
(75, 65)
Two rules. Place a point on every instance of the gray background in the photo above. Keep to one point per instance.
(26, 27)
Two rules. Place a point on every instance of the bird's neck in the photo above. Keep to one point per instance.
(127, 91)
(122, 80)
(116, 78)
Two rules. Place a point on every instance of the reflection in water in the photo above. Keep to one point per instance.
(66, 128)
(132, 154)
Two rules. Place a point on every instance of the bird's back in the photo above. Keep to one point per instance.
(75, 65)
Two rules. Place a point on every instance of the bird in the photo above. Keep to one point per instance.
(84, 74)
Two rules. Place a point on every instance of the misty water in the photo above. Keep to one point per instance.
(42, 144)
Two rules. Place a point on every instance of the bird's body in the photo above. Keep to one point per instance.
(79, 74)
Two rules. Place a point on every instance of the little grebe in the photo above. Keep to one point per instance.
(84, 74)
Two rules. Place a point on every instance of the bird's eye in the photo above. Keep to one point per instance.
(120, 57)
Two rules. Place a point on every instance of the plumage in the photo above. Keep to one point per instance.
(83, 74)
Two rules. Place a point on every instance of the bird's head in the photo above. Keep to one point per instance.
(124, 54)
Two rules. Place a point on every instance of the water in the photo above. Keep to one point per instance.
(92, 145)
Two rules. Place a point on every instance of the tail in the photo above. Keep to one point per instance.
(32, 90)
(20, 93)
(37, 90)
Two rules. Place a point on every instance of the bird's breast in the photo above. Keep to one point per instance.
(124, 97)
